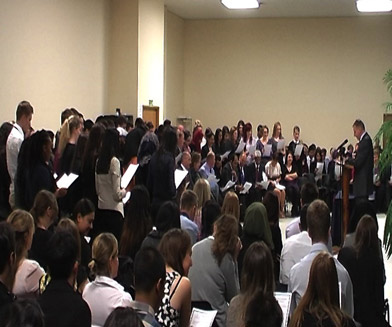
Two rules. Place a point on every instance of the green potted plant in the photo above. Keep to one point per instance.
(385, 133)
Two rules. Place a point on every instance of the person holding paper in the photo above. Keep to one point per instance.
(208, 147)
(217, 147)
(274, 174)
(230, 170)
(250, 142)
(257, 275)
(110, 216)
(317, 167)
(274, 140)
(290, 181)
(320, 304)
(160, 181)
(214, 271)
(34, 172)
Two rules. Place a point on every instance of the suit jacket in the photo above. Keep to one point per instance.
(363, 168)
(250, 173)
(63, 307)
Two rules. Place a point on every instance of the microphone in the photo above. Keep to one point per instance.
(342, 144)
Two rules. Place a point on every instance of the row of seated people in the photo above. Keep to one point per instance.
(226, 266)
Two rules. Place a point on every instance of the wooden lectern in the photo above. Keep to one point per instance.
(347, 173)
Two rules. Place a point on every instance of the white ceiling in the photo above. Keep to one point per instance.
(213, 9)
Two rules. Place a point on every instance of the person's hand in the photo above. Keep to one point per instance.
(237, 249)
(60, 192)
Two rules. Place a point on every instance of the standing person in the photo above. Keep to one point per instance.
(160, 179)
(110, 216)
(363, 163)
(5, 180)
(21, 129)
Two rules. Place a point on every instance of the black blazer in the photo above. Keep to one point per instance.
(363, 168)
(250, 173)
(63, 307)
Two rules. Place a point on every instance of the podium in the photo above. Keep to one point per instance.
(346, 177)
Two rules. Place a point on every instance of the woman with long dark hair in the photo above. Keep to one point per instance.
(257, 275)
(320, 304)
(175, 309)
(366, 269)
(110, 216)
(89, 160)
(137, 222)
(161, 170)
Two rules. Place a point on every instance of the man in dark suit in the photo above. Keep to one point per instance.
(363, 163)
(254, 174)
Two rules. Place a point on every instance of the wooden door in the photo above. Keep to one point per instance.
(151, 114)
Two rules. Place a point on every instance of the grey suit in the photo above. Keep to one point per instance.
(363, 168)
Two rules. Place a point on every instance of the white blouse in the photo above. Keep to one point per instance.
(103, 295)
(27, 279)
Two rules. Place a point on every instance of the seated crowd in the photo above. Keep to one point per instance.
(89, 255)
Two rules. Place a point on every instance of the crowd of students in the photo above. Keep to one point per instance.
(211, 242)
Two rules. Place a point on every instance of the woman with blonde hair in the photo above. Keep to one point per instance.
(44, 212)
(203, 192)
(104, 294)
(176, 249)
(69, 134)
(29, 272)
(214, 271)
(257, 276)
(320, 304)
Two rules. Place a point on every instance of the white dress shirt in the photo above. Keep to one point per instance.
(299, 278)
(14, 142)
(294, 249)
(103, 295)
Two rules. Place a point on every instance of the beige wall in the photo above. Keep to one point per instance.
(53, 54)
(151, 54)
(319, 73)
(174, 66)
(123, 56)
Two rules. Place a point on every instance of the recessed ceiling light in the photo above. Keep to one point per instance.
(241, 4)
(374, 5)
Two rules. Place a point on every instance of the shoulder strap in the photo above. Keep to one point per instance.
(175, 288)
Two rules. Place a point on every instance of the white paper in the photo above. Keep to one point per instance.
(320, 166)
(127, 197)
(247, 187)
(298, 150)
(263, 184)
(128, 175)
(252, 150)
(212, 178)
(267, 150)
(281, 144)
(225, 155)
(202, 318)
(240, 148)
(280, 187)
(66, 180)
(228, 185)
(179, 176)
(203, 142)
(284, 300)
